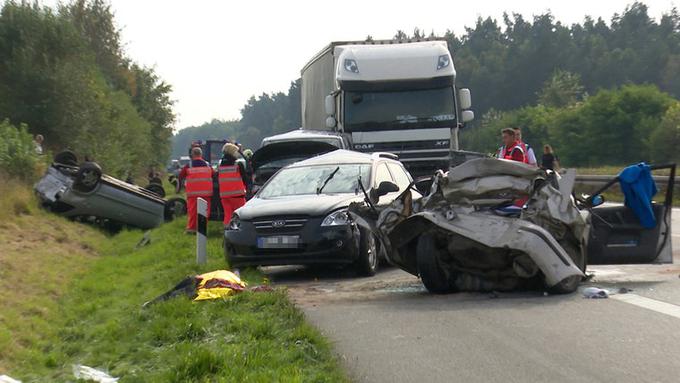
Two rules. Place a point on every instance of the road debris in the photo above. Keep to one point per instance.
(213, 285)
(91, 374)
(595, 293)
(7, 379)
(146, 239)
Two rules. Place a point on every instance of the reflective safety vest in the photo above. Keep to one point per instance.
(516, 146)
(199, 182)
(231, 183)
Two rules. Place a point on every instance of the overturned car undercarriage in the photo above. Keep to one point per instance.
(466, 234)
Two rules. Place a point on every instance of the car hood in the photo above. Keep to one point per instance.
(292, 149)
(309, 205)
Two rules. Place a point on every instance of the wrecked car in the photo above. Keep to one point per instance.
(84, 192)
(469, 233)
(300, 215)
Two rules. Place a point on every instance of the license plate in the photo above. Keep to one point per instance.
(278, 242)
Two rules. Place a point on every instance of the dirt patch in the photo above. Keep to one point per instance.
(341, 287)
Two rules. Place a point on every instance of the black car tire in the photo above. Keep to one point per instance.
(430, 269)
(366, 264)
(88, 176)
(175, 207)
(156, 189)
(66, 157)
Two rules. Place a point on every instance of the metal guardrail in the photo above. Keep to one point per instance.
(597, 180)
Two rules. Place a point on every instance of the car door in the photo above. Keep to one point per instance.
(617, 237)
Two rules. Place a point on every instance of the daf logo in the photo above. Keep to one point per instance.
(279, 223)
(364, 146)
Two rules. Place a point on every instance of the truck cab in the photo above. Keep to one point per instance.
(389, 96)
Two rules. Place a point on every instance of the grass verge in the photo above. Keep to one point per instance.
(84, 307)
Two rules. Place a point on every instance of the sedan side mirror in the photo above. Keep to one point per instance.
(386, 187)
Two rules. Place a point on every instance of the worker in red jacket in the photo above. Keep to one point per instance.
(512, 148)
(232, 179)
(199, 183)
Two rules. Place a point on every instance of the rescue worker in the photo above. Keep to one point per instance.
(232, 179)
(530, 156)
(512, 148)
(528, 150)
(199, 183)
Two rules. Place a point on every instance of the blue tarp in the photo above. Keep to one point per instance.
(638, 189)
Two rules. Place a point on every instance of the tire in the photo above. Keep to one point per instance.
(175, 207)
(432, 273)
(570, 284)
(66, 157)
(156, 189)
(88, 176)
(367, 263)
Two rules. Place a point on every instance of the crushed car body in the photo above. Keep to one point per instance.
(83, 192)
(466, 234)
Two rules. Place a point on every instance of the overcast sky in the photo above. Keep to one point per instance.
(218, 53)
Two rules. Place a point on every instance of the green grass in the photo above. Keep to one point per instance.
(87, 309)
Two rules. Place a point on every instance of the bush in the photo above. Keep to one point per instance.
(17, 151)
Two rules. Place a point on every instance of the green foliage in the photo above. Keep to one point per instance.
(562, 89)
(507, 64)
(613, 127)
(248, 337)
(666, 138)
(64, 75)
(17, 151)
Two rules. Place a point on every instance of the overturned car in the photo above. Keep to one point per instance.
(83, 192)
(492, 224)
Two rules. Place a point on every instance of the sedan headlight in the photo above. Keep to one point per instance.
(235, 223)
(336, 218)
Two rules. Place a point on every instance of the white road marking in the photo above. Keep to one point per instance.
(649, 304)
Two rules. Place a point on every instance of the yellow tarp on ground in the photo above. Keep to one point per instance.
(218, 284)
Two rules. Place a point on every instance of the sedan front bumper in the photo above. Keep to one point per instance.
(317, 245)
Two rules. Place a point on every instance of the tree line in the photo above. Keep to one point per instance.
(64, 75)
(606, 89)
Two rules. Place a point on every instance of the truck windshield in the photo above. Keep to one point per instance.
(426, 108)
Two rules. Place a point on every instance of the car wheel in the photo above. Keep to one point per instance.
(570, 284)
(430, 268)
(175, 207)
(367, 263)
(66, 157)
(156, 189)
(88, 176)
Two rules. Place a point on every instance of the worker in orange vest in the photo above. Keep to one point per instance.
(232, 179)
(199, 183)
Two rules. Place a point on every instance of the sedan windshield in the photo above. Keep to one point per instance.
(426, 108)
(310, 179)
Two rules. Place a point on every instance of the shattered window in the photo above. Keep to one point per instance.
(343, 178)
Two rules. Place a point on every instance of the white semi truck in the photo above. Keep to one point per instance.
(390, 96)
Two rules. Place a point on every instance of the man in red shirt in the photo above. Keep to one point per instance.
(513, 148)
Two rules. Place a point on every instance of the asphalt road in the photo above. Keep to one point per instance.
(389, 329)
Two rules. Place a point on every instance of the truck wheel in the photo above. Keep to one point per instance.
(88, 176)
(66, 157)
(432, 272)
(367, 263)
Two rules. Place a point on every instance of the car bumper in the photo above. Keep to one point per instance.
(320, 245)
